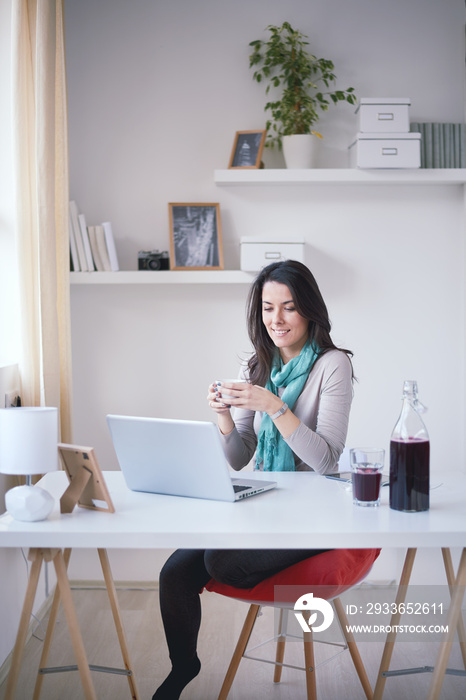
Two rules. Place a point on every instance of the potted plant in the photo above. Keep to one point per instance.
(284, 62)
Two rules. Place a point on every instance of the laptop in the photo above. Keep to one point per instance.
(177, 457)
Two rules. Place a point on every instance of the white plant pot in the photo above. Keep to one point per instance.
(300, 150)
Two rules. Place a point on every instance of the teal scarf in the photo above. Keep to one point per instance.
(272, 450)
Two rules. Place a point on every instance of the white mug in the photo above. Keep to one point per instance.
(227, 397)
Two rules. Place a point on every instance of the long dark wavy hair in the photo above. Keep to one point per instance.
(309, 304)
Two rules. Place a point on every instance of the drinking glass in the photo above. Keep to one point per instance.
(366, 468)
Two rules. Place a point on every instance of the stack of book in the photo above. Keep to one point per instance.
(442, 145)
(91, 247)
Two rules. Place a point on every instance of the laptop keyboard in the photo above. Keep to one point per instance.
(238, 487)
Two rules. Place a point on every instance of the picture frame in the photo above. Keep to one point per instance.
(87, 487)
(195, 236)
(247, 149)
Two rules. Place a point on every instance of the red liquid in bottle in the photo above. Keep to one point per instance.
(366, 485)
(409, 475)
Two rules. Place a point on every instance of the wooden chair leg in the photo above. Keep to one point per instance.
(309, 662)
(280, 652)
(239, 651)
(353, 649)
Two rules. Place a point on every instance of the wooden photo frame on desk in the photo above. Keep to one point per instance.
(87, 485)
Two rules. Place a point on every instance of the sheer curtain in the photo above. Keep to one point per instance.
(42, 202)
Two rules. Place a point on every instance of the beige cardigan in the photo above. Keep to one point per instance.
(323, 408)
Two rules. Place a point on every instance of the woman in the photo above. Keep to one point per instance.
(292, 413)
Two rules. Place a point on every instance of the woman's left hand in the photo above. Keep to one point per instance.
(250, 397)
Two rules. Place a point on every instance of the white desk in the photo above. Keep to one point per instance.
(306, 510)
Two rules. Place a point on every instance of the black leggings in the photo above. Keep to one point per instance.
(187, 571)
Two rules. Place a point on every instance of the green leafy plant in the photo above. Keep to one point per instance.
(285, 63)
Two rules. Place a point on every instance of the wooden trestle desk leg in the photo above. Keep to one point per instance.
(451, 578)
(453, 621)
(49, 632)
(111, 590)
(112, 595)
(63, 585)
(36, 557)
(394, 621)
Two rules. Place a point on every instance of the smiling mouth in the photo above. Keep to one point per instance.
(279, 332)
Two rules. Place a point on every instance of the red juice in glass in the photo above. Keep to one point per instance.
(409, 474)
(366, 474)
(366, 484)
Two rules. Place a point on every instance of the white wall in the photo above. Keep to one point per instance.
(156, 93)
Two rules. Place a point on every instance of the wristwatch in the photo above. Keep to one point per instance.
(280, 411)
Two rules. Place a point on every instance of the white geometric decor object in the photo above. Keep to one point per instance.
(28, 503)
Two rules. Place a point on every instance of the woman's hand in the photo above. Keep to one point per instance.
(252, 398)
(215, 401)
(248, 396)
(224, 419)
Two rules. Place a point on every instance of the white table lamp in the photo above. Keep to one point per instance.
(28, 445)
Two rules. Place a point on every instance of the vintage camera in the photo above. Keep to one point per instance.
(153, 260)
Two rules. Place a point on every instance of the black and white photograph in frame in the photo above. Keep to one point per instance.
(247, 149)
(195, 237)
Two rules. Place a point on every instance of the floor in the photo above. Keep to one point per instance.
(222, 622)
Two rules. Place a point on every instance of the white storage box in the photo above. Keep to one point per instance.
(259, 251)
(380, 114)
(386, 151)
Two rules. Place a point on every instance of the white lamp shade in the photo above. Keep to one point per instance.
(28, 440)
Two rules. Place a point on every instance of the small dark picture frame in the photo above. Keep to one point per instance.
(195, 236)
(247, 149)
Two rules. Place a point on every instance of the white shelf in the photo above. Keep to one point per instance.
(421, 176)
(275, 176)
(163, 277)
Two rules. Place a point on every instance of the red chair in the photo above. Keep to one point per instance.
(327, 575)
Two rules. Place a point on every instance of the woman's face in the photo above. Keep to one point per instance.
(288, 330)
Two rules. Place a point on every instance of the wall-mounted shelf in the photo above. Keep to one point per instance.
(163, 277)
(232, 178)
(350, 176)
